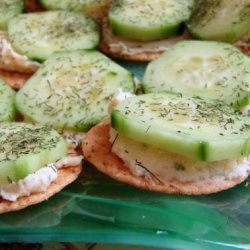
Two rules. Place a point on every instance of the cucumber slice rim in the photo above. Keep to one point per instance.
(27, 148)
(62, 31)
(148, 28)
(214, 71)
(131, 119)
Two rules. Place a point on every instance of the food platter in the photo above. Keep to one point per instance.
(98, 209)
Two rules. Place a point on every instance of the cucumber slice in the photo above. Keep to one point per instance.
(85, 6)
(7, 102)
(220, 20)
(73, 90)
(210, 70)
(38, 35)
(188, 126)
(146, 20)
(9, 9)
(25, 148)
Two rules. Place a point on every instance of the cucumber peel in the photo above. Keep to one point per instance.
(147, 20)
(52, 31)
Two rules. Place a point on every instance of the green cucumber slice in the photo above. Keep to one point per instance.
(25, 148)
(7, 102)
(220, 20)
(84, 6)
(146, 20)
(38, 35)
(73, 90)
(9, 9)
(210, 70)
(188, 126)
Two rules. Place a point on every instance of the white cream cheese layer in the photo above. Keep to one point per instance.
(38, 181)
(121, 96)
(148, 161)
(246, 110)
(13, 61)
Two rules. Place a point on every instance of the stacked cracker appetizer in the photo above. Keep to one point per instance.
(187, 133)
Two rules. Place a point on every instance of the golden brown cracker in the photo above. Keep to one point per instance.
(127, 49)
(15, 79)
(97, 150)
(65, 177)
(106, 47)
(143, 56)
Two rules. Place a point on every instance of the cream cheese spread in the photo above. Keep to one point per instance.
(121, 96)
(38, 181)
(13, 61)
(150, 162)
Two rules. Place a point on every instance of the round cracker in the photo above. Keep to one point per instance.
(15, 79)
(143, 56)
(65, 177)
(126, 49)
(97, 150)
(122, 48)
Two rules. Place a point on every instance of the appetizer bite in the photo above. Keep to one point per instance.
(72, 90)
(143, 29)
(38, 35)
(33, 37)
(173, 144)
(95, 8)
(207, 69)
(34, 165)
(220, 20)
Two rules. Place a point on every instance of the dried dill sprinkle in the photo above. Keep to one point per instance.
(151, 174)
(7, 100)
(161, 18)
(55, 31)
(218, 72)
(76, 5)
(18, 139)
(220, 20)
(184, 125)
(179, 167)
(73, 89)
(25, 148)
